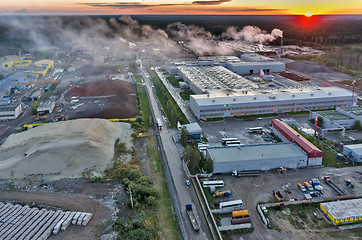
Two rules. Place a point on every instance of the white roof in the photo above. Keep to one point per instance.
(357, 148)
(255, 152)
(260, 96)
(344, 209)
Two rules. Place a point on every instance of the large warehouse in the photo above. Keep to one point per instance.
(288, 134)
(251, 102)
(257, 157)
(203, 79)
(346, 211)
(353, 151)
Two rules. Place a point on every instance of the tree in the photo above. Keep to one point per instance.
(34, 107)
(209, 165)
(184, 136)
(320, 122)
(191, 156)
(357, 125)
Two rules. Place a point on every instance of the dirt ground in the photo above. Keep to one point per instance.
(120, 103)
(74, 195)
(90, 70)
(259, 189)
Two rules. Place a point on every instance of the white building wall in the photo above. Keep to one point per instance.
(11, 114)
(314, 162)
(257, 165)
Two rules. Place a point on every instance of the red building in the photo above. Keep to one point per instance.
(286, 132)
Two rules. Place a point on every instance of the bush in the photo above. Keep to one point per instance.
(132, 229)
(357, 125)
(34, 108)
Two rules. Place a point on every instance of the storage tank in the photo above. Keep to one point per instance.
(240, 220)
(240, 214)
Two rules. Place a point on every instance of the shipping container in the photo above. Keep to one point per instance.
(235, 221)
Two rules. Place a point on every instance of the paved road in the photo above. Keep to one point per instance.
(183, 193)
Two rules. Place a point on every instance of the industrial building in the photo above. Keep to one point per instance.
(255, 67)
(345, 211)
(256, 157)
(12, 82)
(10, 112)
(202, 79)
(353, 151)
(345, 117)
(35, 96)
(39, 68)
(252, 63)
(46, 107)
(193, 129)
(252, 102)
(12, 61)
(288, 134)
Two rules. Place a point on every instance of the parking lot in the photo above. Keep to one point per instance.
(253, 190)
(231, 127)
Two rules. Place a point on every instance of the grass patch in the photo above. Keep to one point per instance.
(169, 106)
(166, 222)
(210, 199)
(216, 119)
(138, 78)
(173, 81)
(186, 94)
(146, 112)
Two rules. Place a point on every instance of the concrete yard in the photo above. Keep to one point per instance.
(253, 190)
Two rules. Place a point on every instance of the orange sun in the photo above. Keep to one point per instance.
(308, 14)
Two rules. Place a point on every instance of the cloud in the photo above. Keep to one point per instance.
(217, 2)
(21, 11)
(123, 5)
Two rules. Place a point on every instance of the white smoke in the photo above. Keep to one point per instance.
(199, 40)
(252, 34)
(277, 32)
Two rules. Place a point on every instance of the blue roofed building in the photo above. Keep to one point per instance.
(12, 82)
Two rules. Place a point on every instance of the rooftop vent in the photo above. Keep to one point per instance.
(213, 100)
(272, 96)
(254, 98)
(293, 95)
(234, 99)
(311, 94)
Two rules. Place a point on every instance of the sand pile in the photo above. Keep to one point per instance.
(63, 149)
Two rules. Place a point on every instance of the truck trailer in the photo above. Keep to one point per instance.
(192, 217)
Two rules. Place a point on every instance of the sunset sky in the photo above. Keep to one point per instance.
(226, 7)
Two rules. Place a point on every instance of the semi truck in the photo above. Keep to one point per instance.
(192, 217)
(301, 187)
(308, 186)
(317, 186)
(159, 124)
(245, 173)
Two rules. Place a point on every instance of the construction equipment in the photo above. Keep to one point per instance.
(39, 117)
(287, 190)
(278, 195)
(58, 118)
(281, 170)
(192, 217)
(348, 183)
(328, 180)
(222, 193)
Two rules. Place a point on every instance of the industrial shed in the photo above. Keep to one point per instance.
(46, 107)
(10, 112)
(255, 67)
(353, 151)
(346, 211)
(193, 129)
(257, 157)
(288, 134)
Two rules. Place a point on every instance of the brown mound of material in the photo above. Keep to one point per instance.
(122, 105)
(90, 70)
